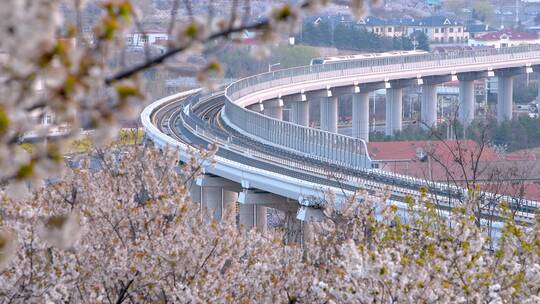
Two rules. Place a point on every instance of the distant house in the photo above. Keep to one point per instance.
(505, 38)
(437, 161)
(149, 35)
(438, 29)
(478, 29)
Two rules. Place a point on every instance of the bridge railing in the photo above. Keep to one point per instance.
(331, 146)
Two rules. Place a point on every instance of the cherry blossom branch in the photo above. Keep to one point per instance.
(173, 51)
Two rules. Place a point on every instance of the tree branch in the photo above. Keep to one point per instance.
(173, 51)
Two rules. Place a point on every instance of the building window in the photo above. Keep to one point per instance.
(436, 31)
(130, 40)
(442, 29)
(389, 29)
(144, 38)
(451, 30)
(451, 39)
(459, 30)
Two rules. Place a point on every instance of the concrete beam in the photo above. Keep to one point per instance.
(403, 83)
(216, 181)
(435, 80)
(258, 197)
(470, 76)
(372, 86)
(294, 98)
(309, 214)
(323, 93)
(272, 103)
(345, 90)
(257, 107)
(511, 72)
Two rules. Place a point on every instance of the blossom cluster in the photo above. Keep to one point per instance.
(129, 232)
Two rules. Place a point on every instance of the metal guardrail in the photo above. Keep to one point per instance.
(343, 149)
(350, 178)
(331, 146)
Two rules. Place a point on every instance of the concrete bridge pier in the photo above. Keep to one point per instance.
(273, 108)
(466, 101)
(360, 116)
(257, 107)
(329, 114)
(505, 87)
(195, 192)
(254, 206)
(217, 194)
(299, 113)
(394, 111)
(429, 99)
(429, 105)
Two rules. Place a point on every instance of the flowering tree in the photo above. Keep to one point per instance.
(128, 232)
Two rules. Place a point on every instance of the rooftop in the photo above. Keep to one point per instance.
(507, 34)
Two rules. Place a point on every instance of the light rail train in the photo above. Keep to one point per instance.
(335, 59)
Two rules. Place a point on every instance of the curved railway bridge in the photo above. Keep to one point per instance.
(265, 162)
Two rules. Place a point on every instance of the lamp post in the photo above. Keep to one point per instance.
(272, 65)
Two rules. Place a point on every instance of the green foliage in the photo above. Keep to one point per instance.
(317, 34)
(239, 62)
(345, 36)
(423, 41)
(291, 56)
(483, 11)
(537, 19)
(522, 132)
(525, 94)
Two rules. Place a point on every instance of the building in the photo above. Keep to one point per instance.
(505, 38)
(478, 29)
(149, 35)
(438, 29)
(440, 161)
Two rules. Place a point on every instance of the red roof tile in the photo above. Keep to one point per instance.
(507, 34)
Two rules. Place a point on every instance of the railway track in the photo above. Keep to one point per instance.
(202, 125)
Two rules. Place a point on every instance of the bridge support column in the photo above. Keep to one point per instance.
(300, 113)
(215, 200)
(195, 193)
(429, 105)
(261, 218)
(329, 114)
(273, 108)
(274, 112)
(253, 216)
(293, 228)
(394, 110)
(360, 116)
(217, 194)
(247, 216)
(466, 102)
(504, 98)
